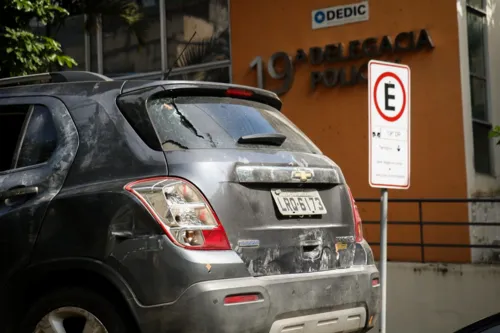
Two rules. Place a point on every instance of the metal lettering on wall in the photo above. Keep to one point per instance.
(281, 66)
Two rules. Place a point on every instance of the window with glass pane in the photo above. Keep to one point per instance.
(40, 139)
(478, 98)
(71, 34)
(134, 50)
(482, 158)
(479, 4)
(476, 24)
(209, 19)
(476, 34)
(214, 75)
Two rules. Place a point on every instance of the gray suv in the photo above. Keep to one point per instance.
(172, 206)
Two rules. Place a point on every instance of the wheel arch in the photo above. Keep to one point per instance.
(37, 280)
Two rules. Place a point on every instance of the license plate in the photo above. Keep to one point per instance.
(294, 202)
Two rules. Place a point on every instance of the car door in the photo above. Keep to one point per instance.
(38, 142)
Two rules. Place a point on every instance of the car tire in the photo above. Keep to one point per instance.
(67, 303)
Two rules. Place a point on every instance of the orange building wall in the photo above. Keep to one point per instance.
(336, 118)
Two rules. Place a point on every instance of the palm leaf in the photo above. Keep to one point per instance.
(207, 50)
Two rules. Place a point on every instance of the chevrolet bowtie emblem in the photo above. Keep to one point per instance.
(302, 175)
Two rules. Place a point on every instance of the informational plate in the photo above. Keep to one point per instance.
(298, 202)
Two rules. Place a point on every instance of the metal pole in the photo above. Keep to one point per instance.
(384, 196)
(88, 50)
(230, 43)
(163, 38)
(421, 221)
(99, 47)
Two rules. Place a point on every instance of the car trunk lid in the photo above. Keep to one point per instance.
(275, 235)
(285, 207)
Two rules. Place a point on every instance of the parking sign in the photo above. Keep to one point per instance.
(389, 125)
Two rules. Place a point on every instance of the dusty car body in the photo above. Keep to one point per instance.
(178, 207)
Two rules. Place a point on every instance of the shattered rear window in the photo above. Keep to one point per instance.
(215, 122)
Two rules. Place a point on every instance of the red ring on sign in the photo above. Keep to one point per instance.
(395, 77)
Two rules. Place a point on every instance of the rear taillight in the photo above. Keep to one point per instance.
(358, 226)
(182, 211)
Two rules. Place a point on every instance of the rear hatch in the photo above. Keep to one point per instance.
(285, 207)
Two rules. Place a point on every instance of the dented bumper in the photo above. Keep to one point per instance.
(317, 302)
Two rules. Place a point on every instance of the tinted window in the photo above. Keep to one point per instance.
(27, 136)
(240, 120)
(213, 122)
(12, 120)
(40, 140)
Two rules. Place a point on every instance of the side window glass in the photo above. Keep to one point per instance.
(27, 136)
(12, 124)
(40, 140)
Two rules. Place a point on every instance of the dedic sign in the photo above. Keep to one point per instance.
(339, 15)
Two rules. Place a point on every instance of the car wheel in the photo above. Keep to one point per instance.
(73, 310)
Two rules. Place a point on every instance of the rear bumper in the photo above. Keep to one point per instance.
(311, 302)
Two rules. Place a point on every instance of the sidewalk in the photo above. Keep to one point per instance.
(439, 298)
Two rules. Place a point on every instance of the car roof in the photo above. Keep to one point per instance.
(86, 83)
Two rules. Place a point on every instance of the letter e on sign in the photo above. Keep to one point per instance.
(389, 125)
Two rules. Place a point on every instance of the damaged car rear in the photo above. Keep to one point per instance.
(268, 216)
(227, 219)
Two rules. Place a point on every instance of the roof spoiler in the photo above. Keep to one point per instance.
(205, 88)
(54, 77)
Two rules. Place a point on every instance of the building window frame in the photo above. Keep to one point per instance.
(226, 63)
(481, 12)
(180, 70)
(93, 41)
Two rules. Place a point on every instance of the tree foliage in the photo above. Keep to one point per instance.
(22, 51)
(495, 133)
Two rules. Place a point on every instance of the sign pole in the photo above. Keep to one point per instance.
(389, 129)
(384, 198)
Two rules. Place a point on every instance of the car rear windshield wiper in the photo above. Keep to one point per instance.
(275, 139)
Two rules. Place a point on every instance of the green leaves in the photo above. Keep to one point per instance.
(46, 11)
(22, 51)
(495, 133)
(131, 14)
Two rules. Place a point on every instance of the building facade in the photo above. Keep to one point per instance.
(317, 64)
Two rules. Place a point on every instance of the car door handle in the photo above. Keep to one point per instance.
(19, 192)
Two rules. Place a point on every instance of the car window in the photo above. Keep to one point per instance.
(27, 134)
(215, 122)
(40, 140)
(12, 119)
